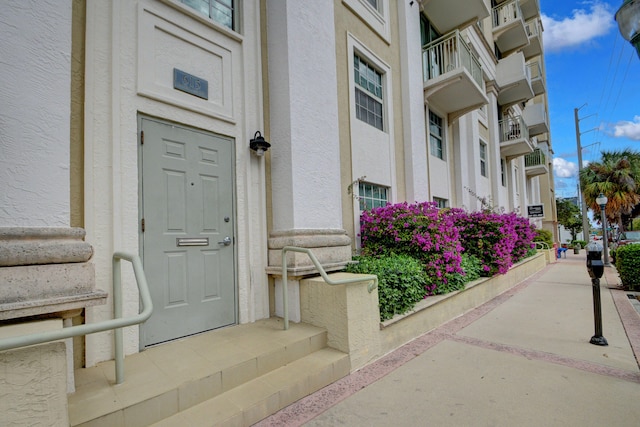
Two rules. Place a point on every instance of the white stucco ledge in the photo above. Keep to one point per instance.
(42, 245)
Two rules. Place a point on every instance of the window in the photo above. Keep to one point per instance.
(483, 159)
(221, 11)
(503, 176)
(368, 93)
(436, 135)
(372, 196)
(442, 203)
(374, 4)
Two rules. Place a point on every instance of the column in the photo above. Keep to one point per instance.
(305, 152)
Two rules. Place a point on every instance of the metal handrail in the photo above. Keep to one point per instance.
(285, 299)
(543, 245)
(116, 323)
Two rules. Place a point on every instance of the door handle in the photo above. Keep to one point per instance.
(226, 241)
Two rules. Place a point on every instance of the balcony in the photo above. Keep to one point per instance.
(514, 137)
(509, 32)
(537, 80)
(535, 163)
(452, 76)
(529, 8)
(448, 15)
(513, 80)
(535, 116)
(534, 32)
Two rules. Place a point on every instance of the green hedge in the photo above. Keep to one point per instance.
(402, 281)
(545, 236)
(628, 265)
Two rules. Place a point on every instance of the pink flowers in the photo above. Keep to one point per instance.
(438, 237)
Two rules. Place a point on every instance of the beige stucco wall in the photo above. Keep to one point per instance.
(76, 160)
(348, 22)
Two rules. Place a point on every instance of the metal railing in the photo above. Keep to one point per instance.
(513, 128)
(506, 13)
(449, 53)
(285, 298)
(542, 245)
(116, 323)
(536, 158)
(533, 28)
(534, 70)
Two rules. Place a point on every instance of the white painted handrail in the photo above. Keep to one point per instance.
(285, 298)
(116, 323)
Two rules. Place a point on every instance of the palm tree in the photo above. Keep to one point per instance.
(617, 176)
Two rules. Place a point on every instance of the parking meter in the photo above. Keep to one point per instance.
(595, 266)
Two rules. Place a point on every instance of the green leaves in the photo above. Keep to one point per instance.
(628, 265)
(402, 282)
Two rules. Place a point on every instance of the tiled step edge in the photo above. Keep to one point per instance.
(264, 396)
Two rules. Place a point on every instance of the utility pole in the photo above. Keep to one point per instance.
(583, 205)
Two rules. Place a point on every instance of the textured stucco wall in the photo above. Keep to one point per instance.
(305, 160)
(34, 113)
(33, 380)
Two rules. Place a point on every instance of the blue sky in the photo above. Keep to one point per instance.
(589, 66)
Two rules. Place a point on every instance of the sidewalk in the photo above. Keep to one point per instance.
(522, 359)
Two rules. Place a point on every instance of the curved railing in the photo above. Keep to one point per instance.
(285, 298)
(117, 323)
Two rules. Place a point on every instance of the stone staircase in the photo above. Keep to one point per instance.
(233, 376)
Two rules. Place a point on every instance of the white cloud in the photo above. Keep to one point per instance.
(625, 129)
(578, 29)
(564, 169)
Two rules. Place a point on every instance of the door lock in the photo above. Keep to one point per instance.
(226, 241)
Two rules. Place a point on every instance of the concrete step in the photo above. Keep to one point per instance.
(257, 399)
(166, 379)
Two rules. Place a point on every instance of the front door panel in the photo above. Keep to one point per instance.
(188, 238)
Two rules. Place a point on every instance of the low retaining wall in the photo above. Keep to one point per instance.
(351, 316)
(437, 310)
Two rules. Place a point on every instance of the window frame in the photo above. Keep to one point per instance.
(372, 93)
(438, 150)
(483, 158)
(441, 203)
(377, 19)
(363, 198)
(234, 13)
(503, 172)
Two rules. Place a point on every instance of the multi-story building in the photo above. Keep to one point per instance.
(132, 120)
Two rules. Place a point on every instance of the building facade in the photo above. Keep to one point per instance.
(137, 122)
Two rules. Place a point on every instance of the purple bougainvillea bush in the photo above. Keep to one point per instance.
(438, 237)
(420, 230)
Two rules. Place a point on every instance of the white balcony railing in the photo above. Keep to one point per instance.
(513, 128)
(449, 53)
(506, 13)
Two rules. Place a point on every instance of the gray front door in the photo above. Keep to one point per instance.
(187, 219)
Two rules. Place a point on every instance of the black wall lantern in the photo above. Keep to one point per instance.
(258, 144)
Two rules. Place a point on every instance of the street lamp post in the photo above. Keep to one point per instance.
(628, 17)
(602, 201)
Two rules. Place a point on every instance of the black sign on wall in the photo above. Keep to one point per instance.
(535, 211)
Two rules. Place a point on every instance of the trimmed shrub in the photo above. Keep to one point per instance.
(545, 236)
(628, 265)
(402, 281)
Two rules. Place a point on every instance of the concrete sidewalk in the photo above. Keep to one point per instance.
(522, 359)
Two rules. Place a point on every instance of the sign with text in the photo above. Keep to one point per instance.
(190, 84)
(535, 211)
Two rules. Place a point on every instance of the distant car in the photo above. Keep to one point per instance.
(597, 237)
(629, 237)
